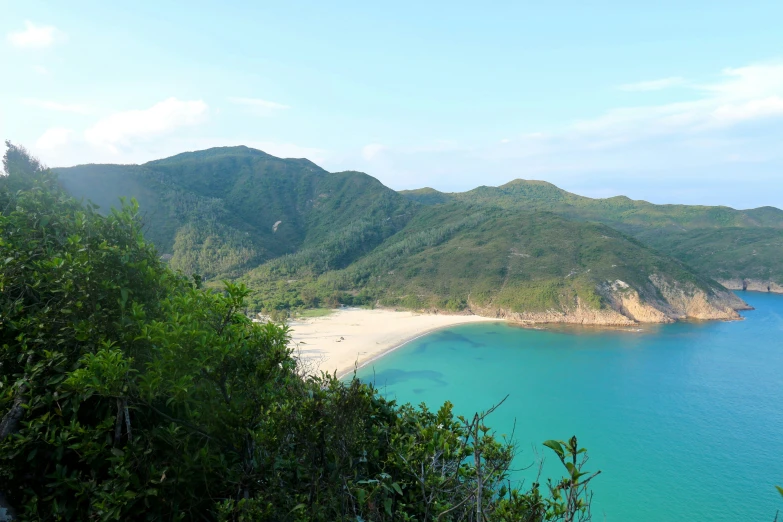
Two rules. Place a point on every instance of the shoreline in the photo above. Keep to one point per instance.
(386, 352)
(351, 338)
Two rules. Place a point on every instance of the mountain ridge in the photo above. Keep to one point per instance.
(300, 236)
(728, 244)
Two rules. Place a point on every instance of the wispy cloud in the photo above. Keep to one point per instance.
(35, 36)
(653, 85)
(372, 150)
(743, 93)
(730, 126)
(122, 128)
(56, 106)
(259, 106)
(54, 138)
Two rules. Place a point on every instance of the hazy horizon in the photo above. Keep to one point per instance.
(598, 196)
(664, 103)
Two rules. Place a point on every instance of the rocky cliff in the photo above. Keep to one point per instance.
(659, 301)
(754, 285)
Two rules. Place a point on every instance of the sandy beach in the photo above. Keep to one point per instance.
(351, 336)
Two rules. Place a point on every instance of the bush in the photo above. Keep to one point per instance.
(130, 392)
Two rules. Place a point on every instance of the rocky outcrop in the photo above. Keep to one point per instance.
(579, 314)
(753, 285)
(688, 301)
(629, 303)
(659, 301)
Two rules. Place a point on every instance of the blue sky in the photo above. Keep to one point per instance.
(665, 101)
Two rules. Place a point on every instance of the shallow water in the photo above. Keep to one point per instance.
(685, 421)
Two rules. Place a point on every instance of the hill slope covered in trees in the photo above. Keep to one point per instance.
(300, 236)
(221, 211)
(721, 242)
(128, 392)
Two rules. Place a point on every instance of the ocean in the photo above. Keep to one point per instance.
(685, 421)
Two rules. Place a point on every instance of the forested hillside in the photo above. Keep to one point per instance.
(299, 236)
(720, 242)
(128, 392)
(530, 266)
(222, 211)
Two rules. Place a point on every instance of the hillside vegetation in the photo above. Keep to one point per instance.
(538, 266)
(301, 237)
(717, 241)
(128, 392)
(222, 211)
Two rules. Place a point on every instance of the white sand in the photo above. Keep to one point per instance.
(352, 336)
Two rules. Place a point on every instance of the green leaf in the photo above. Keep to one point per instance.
(387, 505)
(117, 452)
(555, 446)
(780, 490)
(397, 488)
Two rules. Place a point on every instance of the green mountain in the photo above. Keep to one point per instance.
(299, 236)
(727, 244)
(222, 211)
(529, 266)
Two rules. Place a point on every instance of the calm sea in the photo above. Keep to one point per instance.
(685, 421)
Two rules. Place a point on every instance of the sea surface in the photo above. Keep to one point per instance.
(685, 421)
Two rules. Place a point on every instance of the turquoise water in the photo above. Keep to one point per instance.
(685, 421)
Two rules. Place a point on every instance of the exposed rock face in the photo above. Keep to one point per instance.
(754, 285)
(580, 314)
(660, 301)
(687, 301)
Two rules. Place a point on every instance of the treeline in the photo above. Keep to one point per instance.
(452, 257)
(323, 275)
(128, 392)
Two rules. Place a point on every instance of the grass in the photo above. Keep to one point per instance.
(315, 312)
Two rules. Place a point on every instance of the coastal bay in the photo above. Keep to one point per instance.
(682, 419)
(352, 337)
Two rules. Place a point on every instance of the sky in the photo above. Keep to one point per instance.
(667, 101)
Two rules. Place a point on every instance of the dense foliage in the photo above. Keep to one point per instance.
(300, 237)
(222, 211)
(455, 256)
(127, 391)
(727, 253)
(720, 242)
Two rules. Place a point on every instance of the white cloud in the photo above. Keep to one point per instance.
(56, 106)
(752, 81)
(54, 138)
(35, 36)
(122, 128)
(40, 69)
(653, 85)
(742, 94)
(259, 106)
(371, 151)
(723, 135)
